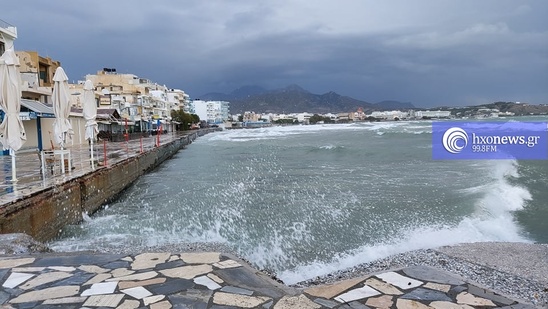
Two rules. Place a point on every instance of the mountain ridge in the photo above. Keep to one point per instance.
(295, 99)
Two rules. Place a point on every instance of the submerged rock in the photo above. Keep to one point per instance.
(20, 243)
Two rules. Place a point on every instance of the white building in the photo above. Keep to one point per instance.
(432, 114)
(8, 34)
(304, 117)
(211, 111)
(266, 117)
(390, 115)
(160, 105)
(177, 99)
(285, 117)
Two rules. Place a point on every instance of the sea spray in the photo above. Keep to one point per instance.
(492, 221)
(307, 200)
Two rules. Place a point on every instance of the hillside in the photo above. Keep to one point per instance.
(518, 109)
(294, 99)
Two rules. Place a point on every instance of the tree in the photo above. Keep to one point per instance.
(287, 121)
(184, 119)
(317, 118)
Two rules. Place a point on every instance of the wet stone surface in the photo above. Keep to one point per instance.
(426, 294)
(429, 274)
(167, 281)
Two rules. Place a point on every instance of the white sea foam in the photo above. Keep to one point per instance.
(86, 217)
(276, 132)
(468, 230)
(492, 221)
(330, 147)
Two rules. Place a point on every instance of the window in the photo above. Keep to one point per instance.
(44, 75)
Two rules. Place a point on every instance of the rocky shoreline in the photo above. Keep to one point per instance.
(520, 272)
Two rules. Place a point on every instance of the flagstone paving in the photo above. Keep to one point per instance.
(216, 281)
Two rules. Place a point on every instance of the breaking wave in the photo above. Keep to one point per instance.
(298, 204)
(492, 220)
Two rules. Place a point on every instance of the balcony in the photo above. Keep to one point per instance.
(8, 29)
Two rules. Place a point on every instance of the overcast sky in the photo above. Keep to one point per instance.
(428, 52)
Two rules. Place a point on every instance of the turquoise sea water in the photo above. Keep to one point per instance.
(307, 200)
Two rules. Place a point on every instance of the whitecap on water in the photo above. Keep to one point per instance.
(491, 221)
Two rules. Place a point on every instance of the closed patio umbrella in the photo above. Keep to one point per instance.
(12, 132)
(90, 113)
(62, 128)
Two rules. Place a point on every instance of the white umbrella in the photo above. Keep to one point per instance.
(90, 113)
(61, 108)
(12, 132)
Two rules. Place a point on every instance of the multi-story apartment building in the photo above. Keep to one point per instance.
(190, 107)
(160, 105)
(137, 99)
(213, 112)
(36, 75)
(177, 99)
(116, 89)
(250, 117)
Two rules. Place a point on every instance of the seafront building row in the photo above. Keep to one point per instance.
(132, 105)
(359, 115)
(126, 103)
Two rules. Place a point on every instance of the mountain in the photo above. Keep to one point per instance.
(247, 91)
(295, 99)
(214, 96)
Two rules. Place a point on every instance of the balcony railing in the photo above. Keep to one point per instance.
(4, 24)
(8, 27)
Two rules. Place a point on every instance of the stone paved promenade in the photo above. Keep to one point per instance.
(216, 281)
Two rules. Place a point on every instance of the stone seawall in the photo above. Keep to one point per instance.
(46, 212)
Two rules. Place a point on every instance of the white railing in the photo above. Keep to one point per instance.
(8, 27)
(4, 24)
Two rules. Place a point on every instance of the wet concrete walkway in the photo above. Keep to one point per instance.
(214, 280)
(28, 164)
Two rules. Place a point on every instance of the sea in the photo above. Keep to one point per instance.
(307, 200)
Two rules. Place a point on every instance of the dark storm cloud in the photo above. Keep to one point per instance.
(427, 52)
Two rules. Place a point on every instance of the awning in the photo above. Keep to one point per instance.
(116, 123)
(123, 123)
(41, 109)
